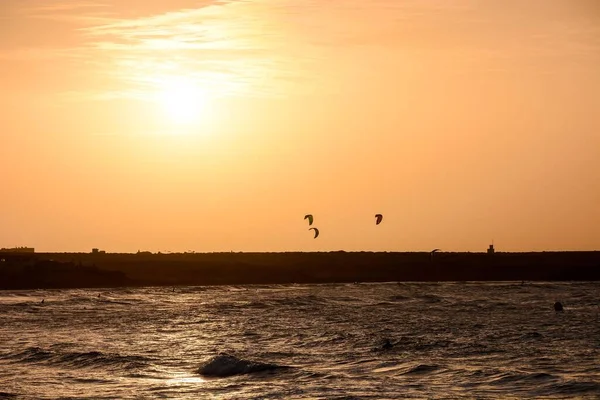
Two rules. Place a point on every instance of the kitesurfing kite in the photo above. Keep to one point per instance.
(316, 232)
(378, 219)
(310, 218)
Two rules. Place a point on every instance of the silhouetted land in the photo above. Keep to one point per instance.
(70, 270)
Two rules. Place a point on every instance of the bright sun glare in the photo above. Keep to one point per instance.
(183, 101)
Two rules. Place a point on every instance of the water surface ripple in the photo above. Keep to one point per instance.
(450, 340)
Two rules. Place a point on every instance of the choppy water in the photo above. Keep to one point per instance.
(474, 340)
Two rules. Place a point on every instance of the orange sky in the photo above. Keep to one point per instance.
(174, 125)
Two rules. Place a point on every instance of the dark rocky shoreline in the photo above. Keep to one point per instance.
(78, 270)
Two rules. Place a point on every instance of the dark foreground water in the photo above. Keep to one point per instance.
(473, 340)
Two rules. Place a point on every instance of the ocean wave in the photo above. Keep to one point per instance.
(430, 298)
(576, 388)
(19, 307)
(425, 345)
(514, 347)
(399, 297)
(408, 344)
(545, 384)
(91, 359)
(224, 365)
(532, 335)
(511, 378)
(99, 298)
(307, 301)
(29, 355)
(421, 369)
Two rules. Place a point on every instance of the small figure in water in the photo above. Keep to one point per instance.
(558, 306)
(387, 344)
(42, 302)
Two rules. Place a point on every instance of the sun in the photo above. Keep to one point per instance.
(183, 101)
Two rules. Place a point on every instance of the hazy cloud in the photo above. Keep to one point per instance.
(227, 48)
(83, 13)
(273, 48)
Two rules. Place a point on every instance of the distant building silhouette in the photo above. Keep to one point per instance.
(18, 250)
(491, 249)
(97, 251)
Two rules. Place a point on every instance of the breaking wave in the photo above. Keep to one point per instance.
(91, 359)
(421, 369)
(224, 365)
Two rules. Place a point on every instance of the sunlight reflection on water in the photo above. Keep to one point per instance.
(184, 379)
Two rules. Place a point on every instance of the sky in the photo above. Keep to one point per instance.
(204, 125)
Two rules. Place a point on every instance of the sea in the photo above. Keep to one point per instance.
(390, 340)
